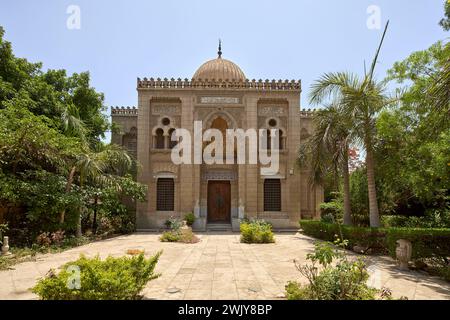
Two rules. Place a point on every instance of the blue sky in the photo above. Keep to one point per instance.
(121, 40)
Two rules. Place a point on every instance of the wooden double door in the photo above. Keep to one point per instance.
(219, 201)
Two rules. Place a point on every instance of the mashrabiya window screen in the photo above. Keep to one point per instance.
(272, 195)
(165, 194)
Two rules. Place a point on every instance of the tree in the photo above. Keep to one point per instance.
(361, 98)
(328, 149)
(413, 136)
(52, 159)
(73, 107)
(445, 22)
(99, 168)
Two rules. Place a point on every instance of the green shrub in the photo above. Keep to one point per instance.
(367, 237)
(173, 223)
(181, 235)
(190, 219)
(256, 231)
(170, 236)
(433, 219)
(431, 247)
(426, 242)
(110, 279)
(344, 280)
(332, 211)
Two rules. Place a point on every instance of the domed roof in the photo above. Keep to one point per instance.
(219, 69)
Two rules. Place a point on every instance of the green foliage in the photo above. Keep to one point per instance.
(433, 219)
(427, 243)
(413, 136)
(173, 223)
(52, 160)
(67, 101)
(332, 211)
(190, 218)
(445, 22)
(170, 236)
(256, 231)
(362, 236)
(341, 280)
(112, 279)
(431, 246)
(180, 235)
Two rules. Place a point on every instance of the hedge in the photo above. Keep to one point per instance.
(426, 242)
(370, 237)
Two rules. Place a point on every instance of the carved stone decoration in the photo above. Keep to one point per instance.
(219, 100)
(219, 175)
(271, 111)
(403, 253)
(165, 110)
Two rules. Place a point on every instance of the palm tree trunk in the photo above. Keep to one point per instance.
(374, 215)
(79, 233)
(94, 221)
(68, 188)
(347, 207)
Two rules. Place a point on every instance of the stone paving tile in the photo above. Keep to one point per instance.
(218, 267)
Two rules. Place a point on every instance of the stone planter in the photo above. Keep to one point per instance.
(5, 247)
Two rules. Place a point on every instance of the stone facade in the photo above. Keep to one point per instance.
(166, 104)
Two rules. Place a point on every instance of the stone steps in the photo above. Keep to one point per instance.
(223, 227)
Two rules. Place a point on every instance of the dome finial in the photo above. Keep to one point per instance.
(219, 53)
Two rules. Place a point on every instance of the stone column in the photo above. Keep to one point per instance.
(293, 144)
(252, 170)
(143, 218)
(187, 195)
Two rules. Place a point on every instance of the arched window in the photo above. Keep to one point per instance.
(159, 139)
(281, 140)
(272, 195)
(165, 194)
(221, 124)
(171, 143)
(269, 140)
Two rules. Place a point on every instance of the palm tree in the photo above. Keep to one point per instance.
(328, 149)
(440, 91)
(99, 167)
(361, 99)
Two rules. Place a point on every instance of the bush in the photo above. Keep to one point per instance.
(173, 223)
(431, 247)
(111, 279)
(372, 238)
(344, 280)
(426, 243)
(170, 236)
(332, 211)
(433, 219)
(181, 235)
(44, 239)
(190, 219)
(388, 221)
(256, 231)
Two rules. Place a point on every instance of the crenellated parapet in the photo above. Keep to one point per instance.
(307, 113)
(124, 111)
(258, 85)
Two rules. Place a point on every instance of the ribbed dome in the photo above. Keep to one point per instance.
(219, 69)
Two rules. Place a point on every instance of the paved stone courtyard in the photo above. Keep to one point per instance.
(219, 267)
